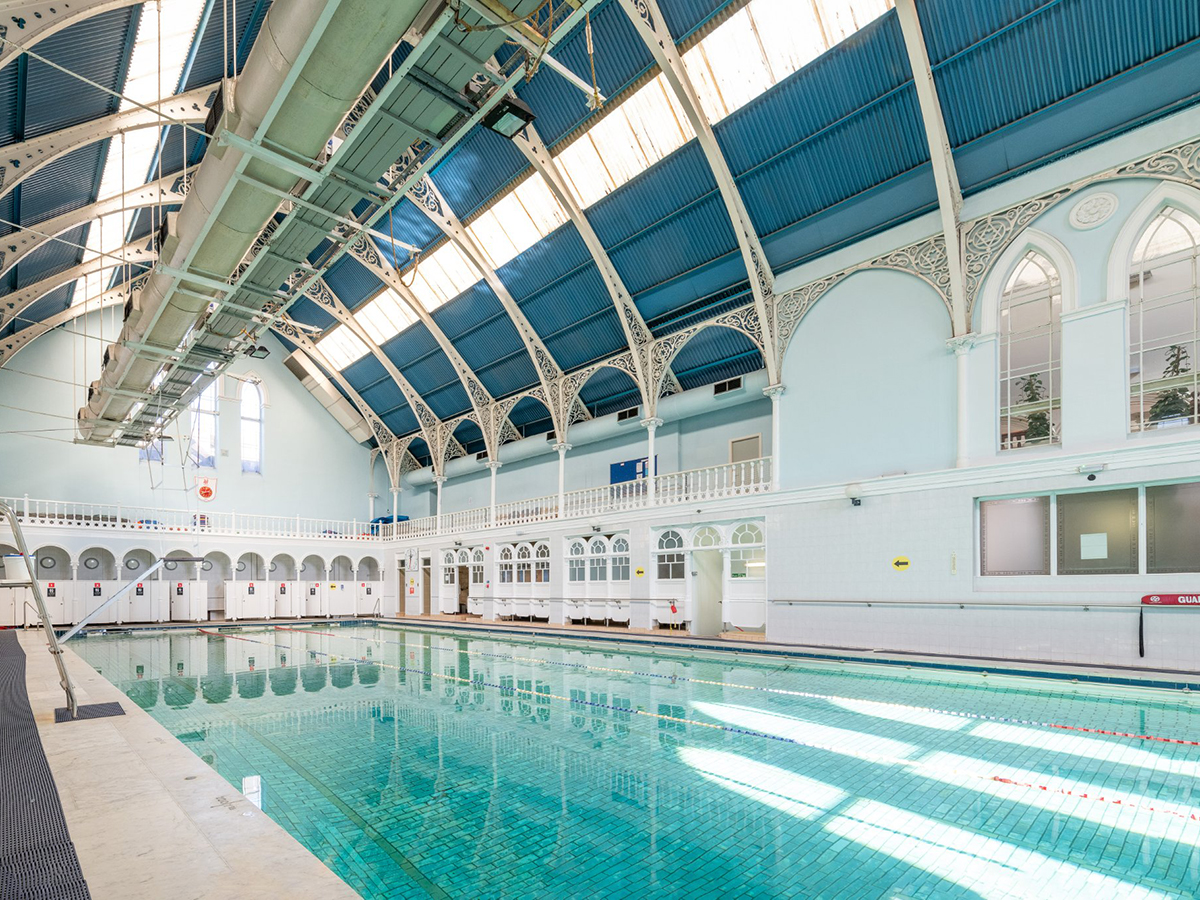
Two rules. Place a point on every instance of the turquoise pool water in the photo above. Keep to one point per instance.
(419, 763)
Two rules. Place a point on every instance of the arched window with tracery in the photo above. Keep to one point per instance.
(620, 559)
(477, 567)
(541, 564)
(597, 560)
(1163, 310)
(670, 556)
(524, 566)
(576, 564)
(506, 566)
(1031, 355)
(748, 558)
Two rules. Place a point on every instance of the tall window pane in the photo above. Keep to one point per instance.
(1014, 536)
(1173, 528)
(1098, 533)
(252, 427)
(203, 451)
(1031, 355)
(1163, 313)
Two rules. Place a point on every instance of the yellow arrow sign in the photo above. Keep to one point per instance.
(900, 563)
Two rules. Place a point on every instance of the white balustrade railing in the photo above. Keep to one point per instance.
(712, 483)
(36, 513)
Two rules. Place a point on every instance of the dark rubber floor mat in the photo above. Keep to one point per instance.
(37, 858)
(91, 711)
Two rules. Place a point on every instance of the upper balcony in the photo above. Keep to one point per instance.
(670, 489)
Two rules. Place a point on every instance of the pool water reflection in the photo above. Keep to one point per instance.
(420, 763)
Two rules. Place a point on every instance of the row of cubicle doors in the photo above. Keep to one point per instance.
(67, 602)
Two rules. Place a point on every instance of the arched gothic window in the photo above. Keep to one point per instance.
(541, 564)
(1031, 355)
(707, 537)
(1163, 306)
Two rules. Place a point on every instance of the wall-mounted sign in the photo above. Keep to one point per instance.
(282, 588)
(250, 589)
(96, 589)
(639, 572)
(901, 563)
(179, 589)
(206, 487)
(139, 591)
(1171, 600)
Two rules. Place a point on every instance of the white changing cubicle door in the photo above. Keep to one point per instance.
(370, 598)
(189, 601)
(315, 602)
(289, 601)
(341, 598)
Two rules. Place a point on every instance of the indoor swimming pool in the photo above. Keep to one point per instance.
(418, 762)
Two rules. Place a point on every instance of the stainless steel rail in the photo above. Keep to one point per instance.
(55, 647)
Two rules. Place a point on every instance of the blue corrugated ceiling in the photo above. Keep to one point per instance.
(834, 153)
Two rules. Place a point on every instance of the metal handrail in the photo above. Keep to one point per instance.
(52, 639)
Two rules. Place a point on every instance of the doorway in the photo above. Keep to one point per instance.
(708, 582)
(464, 588)
(426, 579)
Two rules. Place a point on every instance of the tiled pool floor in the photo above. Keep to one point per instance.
(418, 763)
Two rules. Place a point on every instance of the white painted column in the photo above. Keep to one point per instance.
(495, 467)
(371, 506)
(651, 425)
(562, 447)
(775, 391)
(961, 346)
(395, 502)
(439, 480)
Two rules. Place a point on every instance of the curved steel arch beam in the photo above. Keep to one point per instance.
(557, 394)
(637, 332)
(12, 305)
(650, 25)
(19, 161)
(19, 340)
(438, 435)
(941, 157)
(496, 427)
(25, 24)
(16, 246)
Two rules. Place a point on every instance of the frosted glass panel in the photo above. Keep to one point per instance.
(1097, 533)
(1015, 536)
(1173, 527)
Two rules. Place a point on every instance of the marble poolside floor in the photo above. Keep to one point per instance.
(149, 819)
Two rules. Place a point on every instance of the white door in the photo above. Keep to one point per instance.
(708, 582)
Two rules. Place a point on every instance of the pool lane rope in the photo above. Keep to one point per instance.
(830, 748)
(782, 691)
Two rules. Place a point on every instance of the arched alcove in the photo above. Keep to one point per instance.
(282, 568)
(176, 570)
(341, 569)
(52, 563)
(312, 568)
(368, 569)
(216, 570)
(251, 567)
(135, 562)
(97, 564)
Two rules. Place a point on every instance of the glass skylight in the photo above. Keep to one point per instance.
(342, 347)
(385, 316)
(753, 50)
(519, 220)
(131, 154)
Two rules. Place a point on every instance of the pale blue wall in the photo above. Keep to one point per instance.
(311, 466)
(870, 384)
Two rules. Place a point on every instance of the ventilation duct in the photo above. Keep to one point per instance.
(338, 47)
